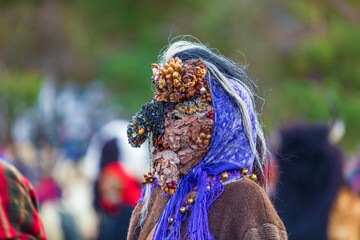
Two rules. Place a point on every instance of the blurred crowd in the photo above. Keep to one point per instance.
(314, 185)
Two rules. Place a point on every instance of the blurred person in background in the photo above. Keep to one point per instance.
(79, 180)
(116, 192)
(109, 154)
(113, 136)
(312, 196)
(119, 192)
(58, 223)
(116, 186)
(19, 213)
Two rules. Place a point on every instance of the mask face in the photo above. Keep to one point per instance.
(185, 142)
(180, 120)
(188, 120)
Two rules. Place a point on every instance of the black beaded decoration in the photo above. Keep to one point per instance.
(150, 119)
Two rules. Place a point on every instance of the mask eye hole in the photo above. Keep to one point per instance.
(173, 116)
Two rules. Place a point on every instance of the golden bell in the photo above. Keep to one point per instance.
(190, 200)
(208, 187)
(253, 177)
(245, 171)
(224, 176)
(171, 220)
(183, 210)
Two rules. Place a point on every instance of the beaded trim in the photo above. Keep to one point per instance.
(225, 178)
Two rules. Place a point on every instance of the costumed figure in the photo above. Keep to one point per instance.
(207, 152)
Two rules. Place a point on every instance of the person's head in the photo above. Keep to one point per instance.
(204, 111)
(307, 159)
(109, 153)
(310, 170)
(118, 188)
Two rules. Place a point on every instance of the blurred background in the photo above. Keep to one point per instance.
(71, 70)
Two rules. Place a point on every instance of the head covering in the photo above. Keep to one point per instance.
(20, 218)
(109, 153)
(230, 148)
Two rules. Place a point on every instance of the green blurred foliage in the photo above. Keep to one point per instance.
(305, 55)
(132, 66)
(19, 89)
(321, 77)
(125, 37)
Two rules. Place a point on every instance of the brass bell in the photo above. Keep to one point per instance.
(190, 200)
(245, 171)
(224, 176)
(183, 210)
(253, 177)
(171, 220)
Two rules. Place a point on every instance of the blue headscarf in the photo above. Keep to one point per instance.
(230, 150)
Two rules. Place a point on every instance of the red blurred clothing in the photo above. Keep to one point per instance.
(19, 215)
(118, 188)
(48, 190)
